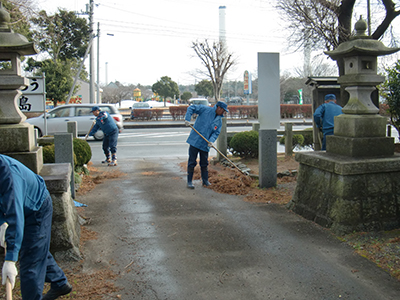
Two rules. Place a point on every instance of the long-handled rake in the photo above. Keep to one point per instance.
(8, 283)
(91, 127)
(223, 155)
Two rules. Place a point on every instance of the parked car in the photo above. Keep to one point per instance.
(234, 101)
(58, 118)
(141, 105)
(199, 101)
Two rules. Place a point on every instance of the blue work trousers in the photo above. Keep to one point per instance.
(110, 143)
(326, 133)
(37, 265)
(193, 152)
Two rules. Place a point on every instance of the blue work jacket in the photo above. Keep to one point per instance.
(208, 123)
(105, 122)
(324, 115)
(21, 192)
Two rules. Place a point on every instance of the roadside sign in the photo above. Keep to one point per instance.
(33, 96)
(247, 83)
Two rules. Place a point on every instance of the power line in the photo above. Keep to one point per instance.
(183, 32)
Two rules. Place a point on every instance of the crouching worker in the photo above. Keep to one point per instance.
(208, 123)
(26, 212)
(107, 124)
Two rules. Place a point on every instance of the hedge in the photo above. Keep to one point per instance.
(245, 144)
(178, 112)
(292, 110)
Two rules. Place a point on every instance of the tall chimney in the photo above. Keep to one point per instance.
(222, 30)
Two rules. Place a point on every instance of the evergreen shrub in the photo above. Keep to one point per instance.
(82, 151)
(48, 154)
(245, 144)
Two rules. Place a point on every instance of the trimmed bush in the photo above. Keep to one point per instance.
(301, 140)
(142, 114)
(297, 141)
(48, 154)
(178, 112)
(308, 138)
(245, 144)
(82, 151)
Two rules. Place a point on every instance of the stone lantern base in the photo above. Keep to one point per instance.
(18, 141)
(360, 136)
(348, 194)
(355, 184)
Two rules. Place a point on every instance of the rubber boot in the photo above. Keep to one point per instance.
(190, 178)
(107, 160)
(113, 162)
(204, 176)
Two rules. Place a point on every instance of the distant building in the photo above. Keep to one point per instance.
(82, 93)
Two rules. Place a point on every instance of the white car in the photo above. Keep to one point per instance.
(58, 118)
(199, 101)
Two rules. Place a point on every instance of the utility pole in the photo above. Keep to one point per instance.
(369, 16)
(98, 63)
(106, 72)
(91, 59)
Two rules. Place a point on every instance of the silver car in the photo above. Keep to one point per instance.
(58, 117)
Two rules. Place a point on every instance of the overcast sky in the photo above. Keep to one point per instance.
(153, 38)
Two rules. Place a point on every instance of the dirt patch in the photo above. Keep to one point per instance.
(383, 248)
(228, 180)
(97, 176)
(150, 173)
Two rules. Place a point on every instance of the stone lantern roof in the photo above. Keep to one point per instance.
(11, 41)
(361, 45)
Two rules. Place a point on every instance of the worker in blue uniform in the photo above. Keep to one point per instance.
(324, 117)
(107, 124)
(26, 206)
(208, 123)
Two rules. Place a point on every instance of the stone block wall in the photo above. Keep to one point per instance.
(65, 231)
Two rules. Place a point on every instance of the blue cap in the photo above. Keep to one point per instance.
(95, 108)
(222, 105)
(330, 97)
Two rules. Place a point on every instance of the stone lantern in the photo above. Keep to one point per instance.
(18, 139)
(355, 184)
(360, 131)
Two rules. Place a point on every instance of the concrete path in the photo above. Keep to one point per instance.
(168, 242)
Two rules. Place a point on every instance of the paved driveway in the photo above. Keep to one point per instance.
(168, 242)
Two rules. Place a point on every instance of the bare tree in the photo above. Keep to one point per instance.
(27, 7)
(327, 23)
(217, 61)
(319, 66)
(116, 92)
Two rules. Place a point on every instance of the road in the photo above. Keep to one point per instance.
(165, 241)
(158, 142)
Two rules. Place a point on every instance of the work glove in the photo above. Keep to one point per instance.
(187, 123)
(10, 271)
(3, 229)
(210, 144)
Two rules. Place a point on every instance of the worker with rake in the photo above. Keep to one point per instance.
(26, 212)
(205, 132)
(106, 123)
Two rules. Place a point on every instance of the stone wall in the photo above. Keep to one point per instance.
(65, 231)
